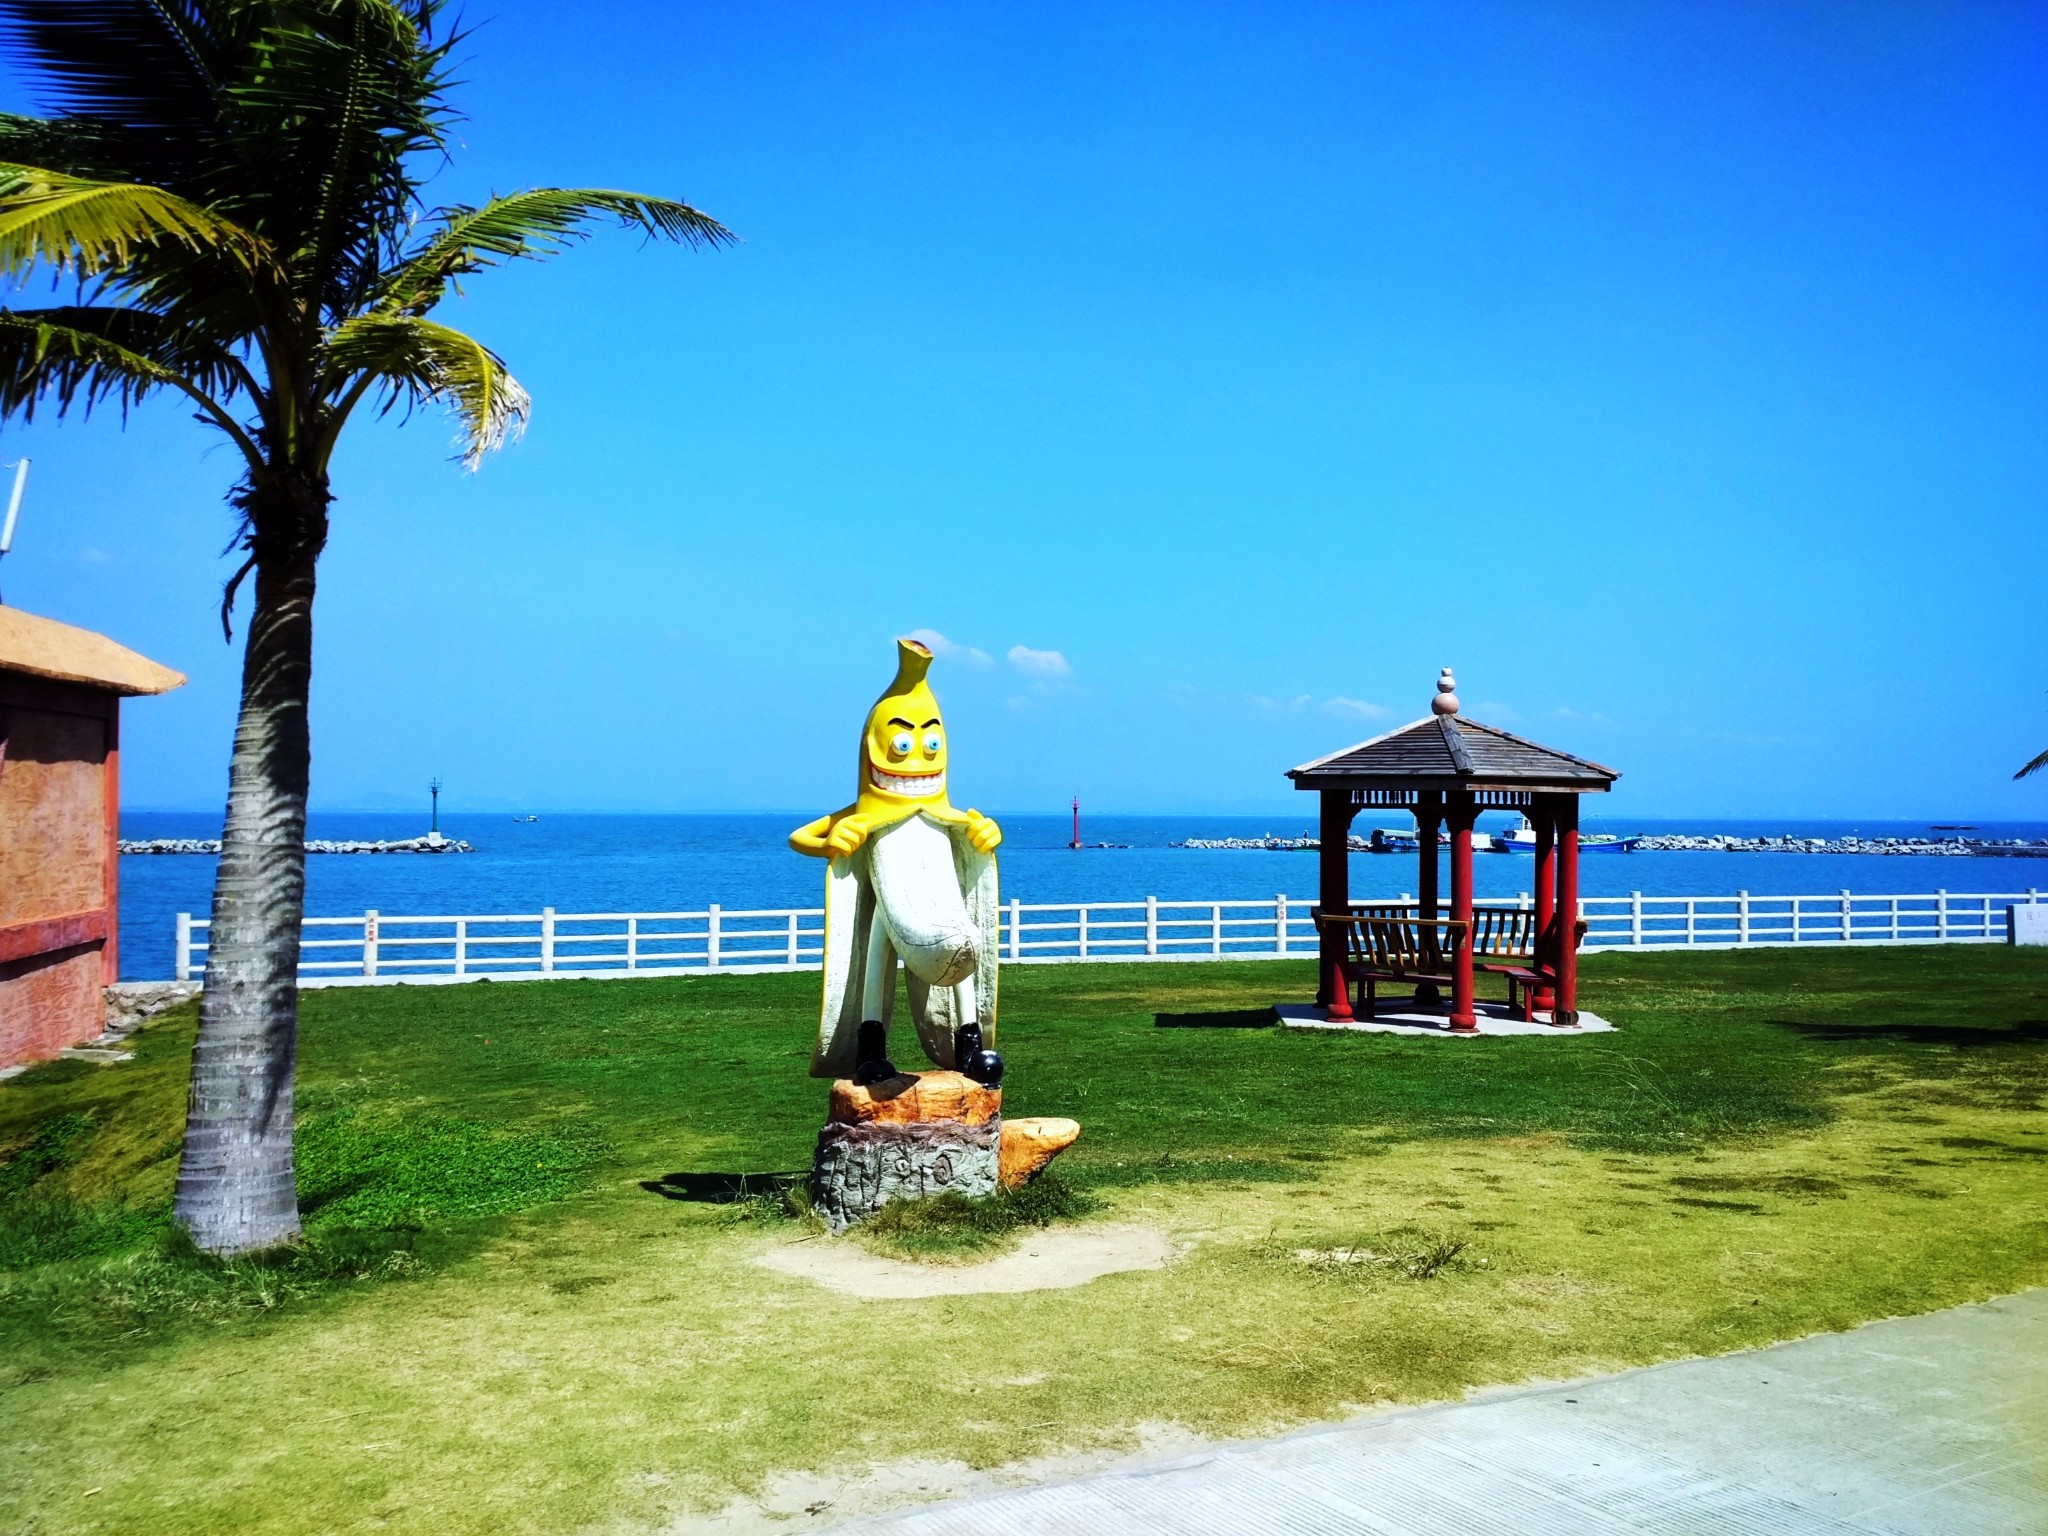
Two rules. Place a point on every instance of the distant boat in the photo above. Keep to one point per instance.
(526, 818)
(1401, 840)
(1522, 839)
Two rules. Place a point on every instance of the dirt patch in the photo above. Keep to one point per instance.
(804, 1501)
(1044, 1260)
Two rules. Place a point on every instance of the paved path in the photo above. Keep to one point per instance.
(1926, 1426)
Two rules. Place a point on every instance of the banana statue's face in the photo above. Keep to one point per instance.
(905, 757)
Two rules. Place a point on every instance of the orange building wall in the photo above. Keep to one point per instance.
(48, 1003)
(59, 777)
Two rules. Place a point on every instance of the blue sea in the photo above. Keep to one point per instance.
(681, 863)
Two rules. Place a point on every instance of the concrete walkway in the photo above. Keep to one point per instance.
(1926, 1426)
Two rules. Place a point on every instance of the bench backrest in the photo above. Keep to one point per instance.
(1503, 933)
(1402, 943)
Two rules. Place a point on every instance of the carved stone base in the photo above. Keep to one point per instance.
(921, 1134)
(861, 1166)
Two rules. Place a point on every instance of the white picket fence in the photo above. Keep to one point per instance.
(375, 948)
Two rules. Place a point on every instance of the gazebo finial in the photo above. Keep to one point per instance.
(1446, 700)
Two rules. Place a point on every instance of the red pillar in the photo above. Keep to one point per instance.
(1566, 1010)
(1333, 863)
(1463, 812)
(1543, 816)
(1429, 816)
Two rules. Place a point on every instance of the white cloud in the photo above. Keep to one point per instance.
(1301, 703)
(1357, 709)
(1039, 663)
(939, 645)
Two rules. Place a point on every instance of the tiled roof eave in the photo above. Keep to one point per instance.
(1337, 778)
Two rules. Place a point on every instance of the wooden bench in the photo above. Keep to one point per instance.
(1390, 944)
(1509, 936)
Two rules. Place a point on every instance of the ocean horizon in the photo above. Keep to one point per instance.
(682, 861)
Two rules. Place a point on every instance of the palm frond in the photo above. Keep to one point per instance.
(162, 339)
(153, 65)
(417, 360)
(72, 365)
(533, 224)
(344, 95)
(77, 146)
(76, 224)
(2036, 765)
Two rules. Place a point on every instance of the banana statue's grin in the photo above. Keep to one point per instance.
(919, 786)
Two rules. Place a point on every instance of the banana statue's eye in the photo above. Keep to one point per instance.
(899, 744)
(932, 744)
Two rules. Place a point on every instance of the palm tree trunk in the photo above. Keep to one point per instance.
(237, 1189)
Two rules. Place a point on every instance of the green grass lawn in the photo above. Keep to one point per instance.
(525, 1302)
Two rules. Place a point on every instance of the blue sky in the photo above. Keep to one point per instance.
(1675, 372)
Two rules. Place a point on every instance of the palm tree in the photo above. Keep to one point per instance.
(2037, 764)
(230, 194)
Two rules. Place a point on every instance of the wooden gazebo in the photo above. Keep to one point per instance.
(1446, 770)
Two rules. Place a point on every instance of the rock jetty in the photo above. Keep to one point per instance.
(1302, 844)
(1919, 847)
(315, 845)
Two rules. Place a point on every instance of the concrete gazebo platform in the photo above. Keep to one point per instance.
(1407, 1017)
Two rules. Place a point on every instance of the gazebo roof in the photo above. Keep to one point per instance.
(1442, 751)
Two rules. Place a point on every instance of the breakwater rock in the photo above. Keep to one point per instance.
(1918, 847)
(314, 845)
(1302, 844)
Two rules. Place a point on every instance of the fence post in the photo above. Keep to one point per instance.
(711, 936)
(1280, 924)
(184, 946)
(1941, 914)
(632, 943)
(1216, 929)
(1742, 917)
(1635, 920)
(1016, 929)
(370, 942)
(462, 946)
(792, 938)
(547, 938)
(1082, 925)
(1848, 914)
(1151, 925)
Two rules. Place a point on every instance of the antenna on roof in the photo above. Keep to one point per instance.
(14, 506)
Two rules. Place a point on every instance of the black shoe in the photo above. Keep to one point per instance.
(985, 1067)
(871, 1063)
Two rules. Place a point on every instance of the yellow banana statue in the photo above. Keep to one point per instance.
(908, 876)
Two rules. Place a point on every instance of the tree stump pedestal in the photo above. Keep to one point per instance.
(923, 1134)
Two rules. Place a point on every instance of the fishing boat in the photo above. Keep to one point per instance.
(1401, 840)
(1522, 839)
